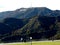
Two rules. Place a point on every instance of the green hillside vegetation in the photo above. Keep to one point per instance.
(38, 23)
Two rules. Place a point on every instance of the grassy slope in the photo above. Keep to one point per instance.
(36, 43)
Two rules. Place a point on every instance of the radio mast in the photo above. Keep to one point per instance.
(31, 4)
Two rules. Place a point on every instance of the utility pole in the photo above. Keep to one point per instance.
(31, 40)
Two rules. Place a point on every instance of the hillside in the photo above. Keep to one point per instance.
(38, 23)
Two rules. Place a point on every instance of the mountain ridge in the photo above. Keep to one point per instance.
(25, 12)
(38, 23)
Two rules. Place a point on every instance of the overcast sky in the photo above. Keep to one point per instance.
(6, 5)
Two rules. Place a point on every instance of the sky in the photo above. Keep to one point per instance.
(9, 5)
